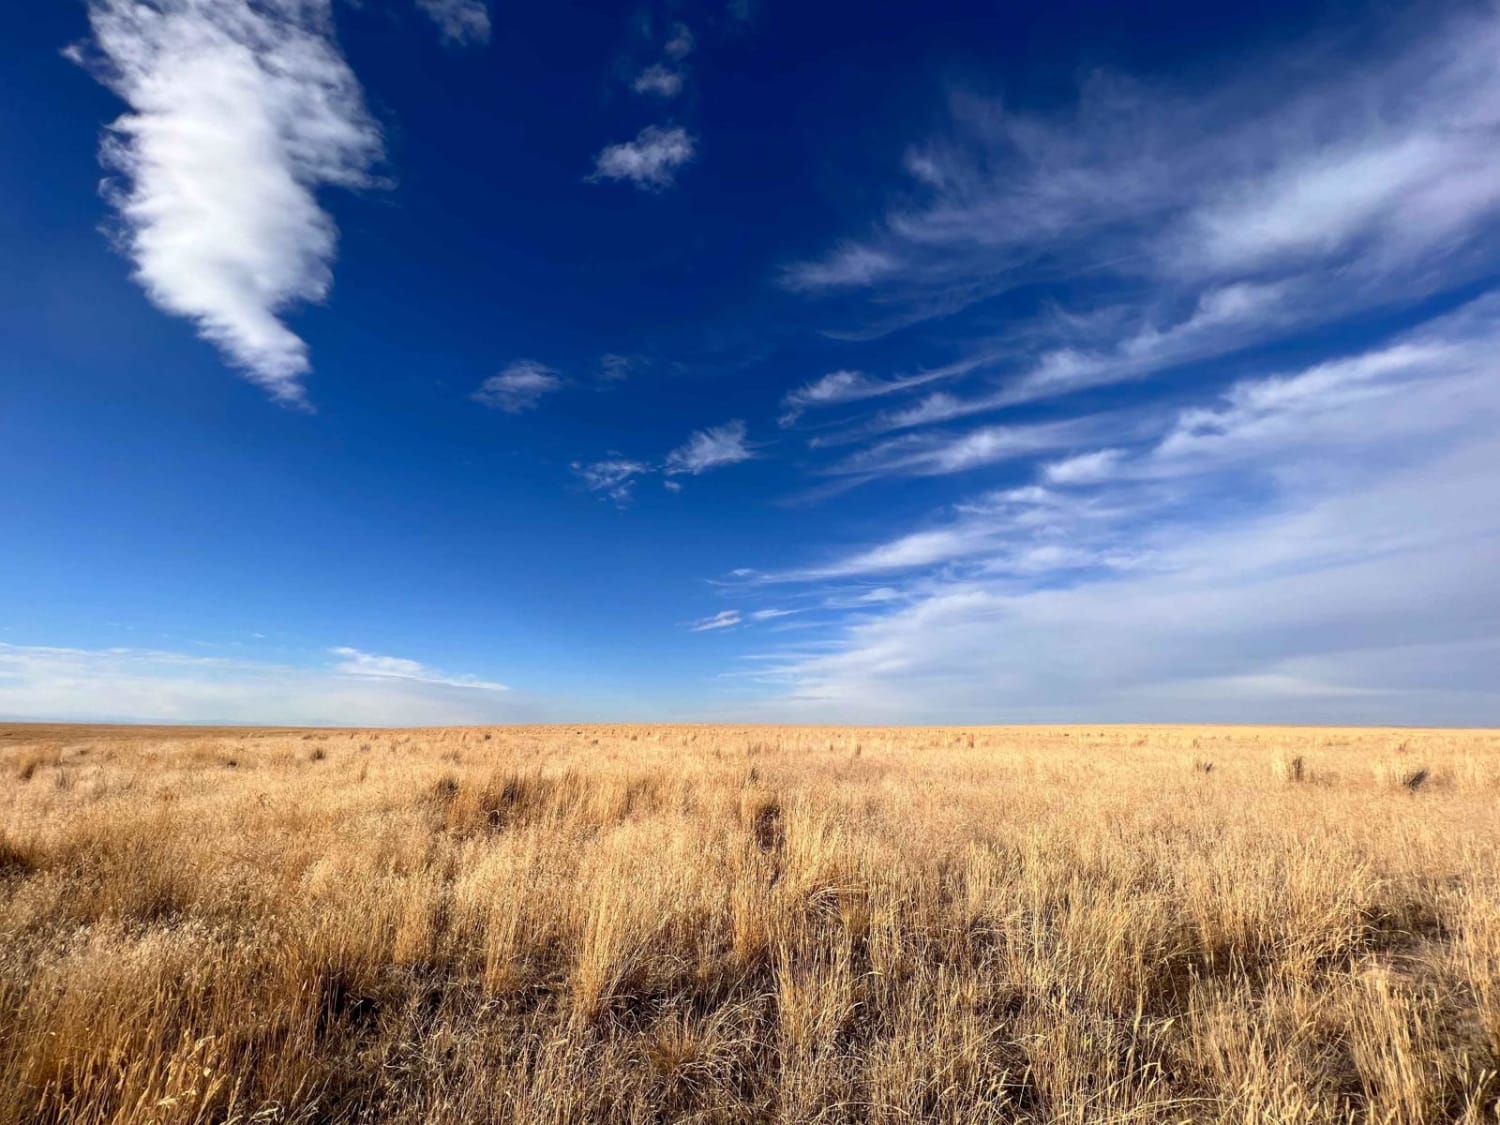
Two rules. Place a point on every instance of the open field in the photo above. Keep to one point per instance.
(749, 924)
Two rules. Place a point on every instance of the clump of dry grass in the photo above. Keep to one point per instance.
(642, 924)
(15, 860)
(1290, 768)
(29, 759)
(1402, 773)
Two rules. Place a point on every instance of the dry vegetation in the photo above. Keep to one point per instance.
(766, 924)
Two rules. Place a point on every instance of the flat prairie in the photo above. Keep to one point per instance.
(749, 924)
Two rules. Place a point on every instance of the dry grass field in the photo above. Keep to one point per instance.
(709, 924)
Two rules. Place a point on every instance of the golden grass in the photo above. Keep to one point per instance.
(709, 924)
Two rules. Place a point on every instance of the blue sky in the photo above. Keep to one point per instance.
(419, 361)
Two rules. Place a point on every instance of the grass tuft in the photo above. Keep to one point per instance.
(1290, 768)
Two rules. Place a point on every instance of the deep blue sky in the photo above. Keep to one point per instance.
(424, 361)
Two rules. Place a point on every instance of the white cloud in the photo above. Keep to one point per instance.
(1221, 321)
(1221, 219)
(1299, 615)
(1243, 539)
(919, 549)
(1433, 384)
(1086, 468)
(238, 113)
(851, 266)
(1318, 545)
(651, 161)
(659, 80)
(835, 387)
(839, 388)
(710, 449)
(938, 454)
(726, 619)
(1172, 236)
(461, 22)
(120, 684)
(614, 368)
(1027, 531)
(614, 477)
(519, 387)
(1331, 424)
(771, 614)
(680, 44)
(357, 663)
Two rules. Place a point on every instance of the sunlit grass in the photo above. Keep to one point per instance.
(713, 924)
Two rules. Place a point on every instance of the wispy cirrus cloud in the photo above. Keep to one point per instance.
(1306, 611)
(1220, 322)
(733, 618)
(711, 448)
(680, 42)
(1176, 230)
(835, 387)
(851, 265)
(662, 81)
(651, 161)
(147, 685)
(353, 662)
(1085, 468)
(238, 114)
(1247, 555)
(614, 477)
(616, 368)
(1026, 532)
(520, 387)
(1370, 170)
(462, 22)
(943, 453)
(840, 388)
(726, 619)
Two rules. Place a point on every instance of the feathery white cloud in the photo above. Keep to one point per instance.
(353, 662)
(659, 80)
(519, 387)
(143, 685)
(710, 449)
(1309, 613)
(614, 477)
(1222, 321)
(614, 368)
(727, 619)
(835, 387)
(852, 265)
(919, 549)
(238, 113)
(936, 454)
(1085, 468)
(680, 44)
(1223, 220)
(461, 22)
(1306, 546)
(650, 162)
